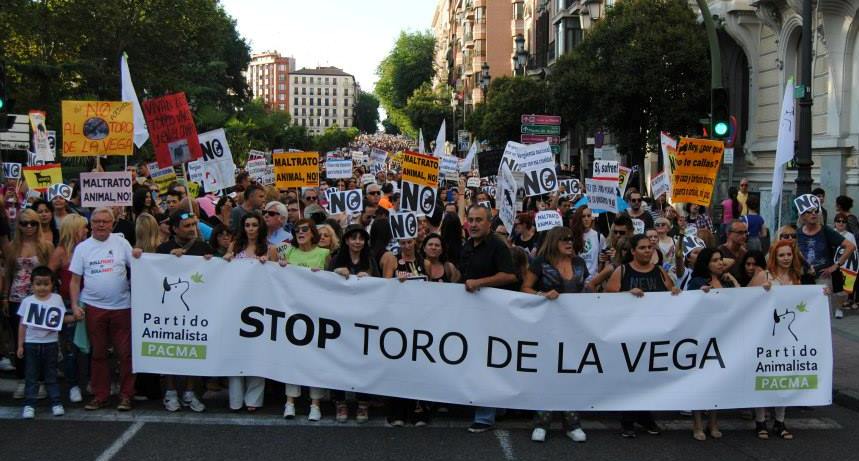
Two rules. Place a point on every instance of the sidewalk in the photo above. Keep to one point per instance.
(845, 348)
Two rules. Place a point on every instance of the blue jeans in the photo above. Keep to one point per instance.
(484, 415)
(41, 358)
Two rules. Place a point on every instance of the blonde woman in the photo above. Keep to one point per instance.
(28, 251)
(148, 234)
(328, 238)
(74, 229)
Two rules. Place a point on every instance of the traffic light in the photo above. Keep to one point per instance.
(719, 114)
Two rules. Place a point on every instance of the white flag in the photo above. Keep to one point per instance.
(468, 162)
(439, 140)
(784, 145)
(141, 134)
(420, 140)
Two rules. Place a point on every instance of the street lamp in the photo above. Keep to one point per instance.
(521, 58)
(484, 77)
(594, 9)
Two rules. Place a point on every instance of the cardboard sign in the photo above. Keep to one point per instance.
(505, 197)
(548, 219)
(97, 128)
(537, 162)
(472, 182)
(162, 177)
(214, 147)
(296, 169)
(419, 198)
(358, 157)
(623, 176)
(637, 226)
(367, 178)
(172, 130)
(338, 169)
(659, 185)
(602, 194)
(571, 187)
(44, 316)
(109, 188)
(52, 142)
(404, 225)
(420, 169)
(254, 154)
(488, 162)
(691, 242)
(449, 166)
(805, 203)
(378, 157)
(348, 201)
(40, 177)
(11, 170)
(221, 174)
(195, 171)
(697, 164)
(41, 143)
(59, 190)
(606, 169)
(256, 168)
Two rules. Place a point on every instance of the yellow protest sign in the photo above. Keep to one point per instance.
(162, 177)
(697, 163)
(420, 169)
(296, 169)
(40, 177)
(97, 128)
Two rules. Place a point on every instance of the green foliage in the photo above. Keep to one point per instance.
(643, 68)
(367, 113)
(389, 127)
(408, 66)
(255, 127)
(426, 109)
(500, 116)
(334, 137)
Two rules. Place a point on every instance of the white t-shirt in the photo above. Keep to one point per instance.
(594, 243)
(104, 268)
(37, 334)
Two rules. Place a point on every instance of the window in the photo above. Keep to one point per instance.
(295, 80)
(281, 97)
(346, 102)
(345, 112)
(281, 86)
(311, 101)
(295, 101)
(295, 111)
(326, 112)
(318, 101)
(318, 111)
(295, 90)
(519, 10)
(348, 122)
(345, 91)
(303, 121)
(326, 91)
(303, 80)
(303, 111)
(304, 91)
(281, 77)
(326, 80)
(282, 106)
(326, 122)
(303, 101)
(334, 92)
(281, 67)
(334, 111)
(311, 122)
(326, 101)
(319, 80)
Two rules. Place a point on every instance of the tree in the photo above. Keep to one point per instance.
(499, 119)
(642, 69)
(426, 108)
(408, 66)
(389, 127)
(334, 137)
(256, 127)
(367, 113)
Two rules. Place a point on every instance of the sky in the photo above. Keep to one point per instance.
(353, 35)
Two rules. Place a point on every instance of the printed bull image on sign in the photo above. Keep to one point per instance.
(349, 201)
(296, 169)
(404, 225)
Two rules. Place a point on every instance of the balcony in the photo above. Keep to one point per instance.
(468, 41)
(517, 27)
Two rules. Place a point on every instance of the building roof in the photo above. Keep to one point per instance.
(322, 71)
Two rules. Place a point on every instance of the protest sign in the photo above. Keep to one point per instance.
(220, 175)
(97, 128)
(805, 203)
(571, 187)
(358, 157)
(577, 352)
(43, 316)
(505, 197)
(623, 176)
(698, 162)
(254, 154)
(296, 169)
(172, 130)
(213, 145)
(420, 169)
(337, 169)
(59, 190)
(637, 226)
(52, 142)
(416, 197)
(537, 162)
(472, 182)
(606, 169)
(347, 201)
(11, 170)
(488, 162)
(41, 143)
(602, 194)
(195, 171)
(659, 185)
(547, 219)
(256, 167)
(108, 188)
(367, 178)
(39, 177)
(404, 225)
(449, 166)
(378, 157)
(162, 177)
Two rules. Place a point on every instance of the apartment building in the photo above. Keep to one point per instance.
(268, 79)
(323, 97)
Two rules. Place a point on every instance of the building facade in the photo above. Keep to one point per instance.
(323, 97)
(268, 79)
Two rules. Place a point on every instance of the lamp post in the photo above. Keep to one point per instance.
(594, 9)
(803, 154)
(453, 104)
(521, 58)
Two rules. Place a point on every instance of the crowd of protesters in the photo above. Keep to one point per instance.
(57, 253)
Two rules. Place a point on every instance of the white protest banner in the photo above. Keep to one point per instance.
(659, 185)
(473, 182)
(731, 348)
(348, 201)
(466, 164)
(602, 194)
(338, 169)
(367, 178)
(44, 316)
(358, 157)
(214, 146)
(537, 162)
(59, 190)
(404, 225)
(548, 219)
(606, 169)
(268, 177)
(511, 155)
(378, 157)
(11, 170)
(637, 226)
(505, 198)
(221, 174)
(449, 166)
(195, 170)
(571, 187)
(41, 144)
(256, 168)
(108, 188)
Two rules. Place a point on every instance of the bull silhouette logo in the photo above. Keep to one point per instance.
(178, 285)
(786, 319)
(42, 179)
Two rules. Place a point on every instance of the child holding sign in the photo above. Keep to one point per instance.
(42, 316)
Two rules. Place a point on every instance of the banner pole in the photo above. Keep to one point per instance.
(187, 188)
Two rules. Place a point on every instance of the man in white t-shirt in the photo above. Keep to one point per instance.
(102, 262)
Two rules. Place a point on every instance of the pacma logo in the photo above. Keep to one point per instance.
(784, 321)
(179, 286)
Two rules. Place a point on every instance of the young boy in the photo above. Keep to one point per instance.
(42, 316)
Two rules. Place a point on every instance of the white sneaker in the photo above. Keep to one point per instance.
(75, 395)
(538, 435)
(43, 393)
(289, 411)
(28, 413)
(315, 413)
(839, 314)
(171, 401)
(577, 435)
(19, 391)
(190, 400)
(6, 364)
(58, 410)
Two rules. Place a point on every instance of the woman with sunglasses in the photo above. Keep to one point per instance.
(27, 251)
(305, 252)
(250, 243)
(557, 269)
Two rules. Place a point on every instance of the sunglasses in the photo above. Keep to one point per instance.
(635, 200)
(568, 239)
(272, 213)
(619, 232)
(375, 192)
(787, 236)
(840, 221)
(28, 223)
(303, 228)
(311, 198)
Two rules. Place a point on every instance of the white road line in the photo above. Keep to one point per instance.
(506, 445)
(123, 439)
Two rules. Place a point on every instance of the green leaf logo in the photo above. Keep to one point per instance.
(197, 277)
(801, 307)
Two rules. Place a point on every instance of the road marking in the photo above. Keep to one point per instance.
(123, 439)
(506, 445)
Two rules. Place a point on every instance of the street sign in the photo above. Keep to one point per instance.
(18, 136)
(535, 138)
(541, 129)
(532, 119)
(556, 149)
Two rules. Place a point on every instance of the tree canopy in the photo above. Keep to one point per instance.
(367, 113)
(408, 66)
(498, 120)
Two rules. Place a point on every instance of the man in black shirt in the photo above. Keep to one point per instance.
(183, 226)
(486, 262)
